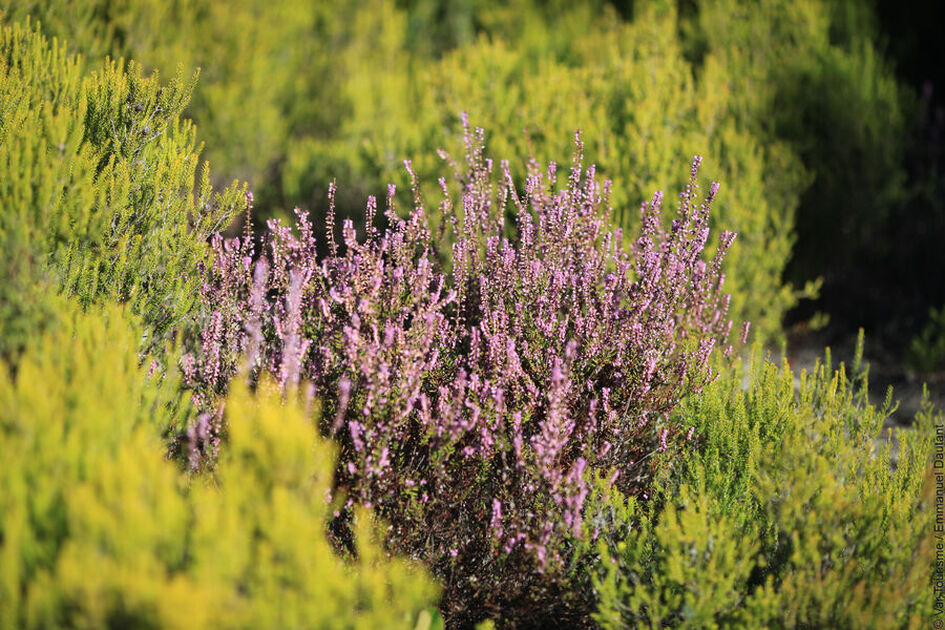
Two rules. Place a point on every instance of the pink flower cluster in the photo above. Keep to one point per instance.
(474, 397)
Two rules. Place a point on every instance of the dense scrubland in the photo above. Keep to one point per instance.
(485, 371)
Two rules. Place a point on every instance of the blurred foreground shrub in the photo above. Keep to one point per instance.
(98, 529)
(786, 513)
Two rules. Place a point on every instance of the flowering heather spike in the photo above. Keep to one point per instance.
(248, 218)
(256, 313)
(713, 191)
(330, 220)
(293, 345)
(577, 163)
(370, 211)
(495, 384)
(414, 185)
(696, 163)
(496, 522)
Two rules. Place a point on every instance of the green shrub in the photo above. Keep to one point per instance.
(809, 74)
(787, 515)
(98, 529)
(98, 175)
(927, 349)
(792, 100)
(268, 67)
(625, 85)
(296, 95)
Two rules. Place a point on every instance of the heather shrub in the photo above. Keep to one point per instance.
(473, 399)
(98, 529)
(98, 189)
(788, 512)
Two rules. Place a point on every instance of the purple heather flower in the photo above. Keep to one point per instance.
(499, 382)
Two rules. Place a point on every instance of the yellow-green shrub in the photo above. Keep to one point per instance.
(295, 94)
(98, 529)
(267, 66)
(97, 175)
(809, 74)
(788, 514)
(625, 85)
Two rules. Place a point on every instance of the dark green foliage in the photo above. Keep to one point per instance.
(927, 351)
(811, 75)
(789, 513)
(98, 189)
